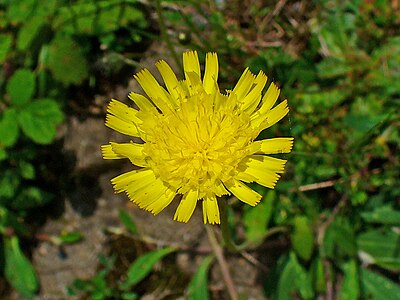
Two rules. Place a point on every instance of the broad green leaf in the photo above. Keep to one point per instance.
(31, 197)
(381, 248)
(256, 218)
(8, 127)
(29, 31)
(198, 286)
(302, 237)
(21, 86)
(350, 287)
(18, 270)
(5, 46)
(377, 287)
(66, 61)
(38, 120)
(142, 266)
(128, 222)
(383, 215)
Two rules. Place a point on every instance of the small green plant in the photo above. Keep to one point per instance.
(44, 50)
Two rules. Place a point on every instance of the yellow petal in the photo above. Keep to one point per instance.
(170, 80)
(263, 176)
(211, 73)
(162, 202)
(148, 194)
(123, 111)
(243, 192)
(108, 153)
(244, 84)
(191, 63)
(265, 162)
(269, 98)
(186, 207)
(272, 146)
(271, 117)
(132, 151)
(156, 92)
(211, 211)
(122, 126)
(122, 181)
(252, 99)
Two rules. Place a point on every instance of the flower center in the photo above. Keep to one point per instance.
(195, 147)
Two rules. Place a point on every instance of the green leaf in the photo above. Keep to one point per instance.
(27, 170)
(129, 296)
(66, 61)
(9, 182)
(381, 248)
(8, 127)
(18, 270)
(70, 237)
(294, 278)
(142, 266)
(21, 86)
(3, 154)
(318, 275)
(350, 287)
(29, 31)
(19, 11)
(377, 287)
(256, 218)
(198, 286)
(339, 240)
(5, 46)
(38, 120)
(31, 197)
(383, 215)
(302, 237)
(127, 220)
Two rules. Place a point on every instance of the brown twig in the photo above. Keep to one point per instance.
(219, 254)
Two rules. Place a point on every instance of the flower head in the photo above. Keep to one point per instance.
(197, 141)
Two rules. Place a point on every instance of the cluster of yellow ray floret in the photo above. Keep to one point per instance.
(197, 141)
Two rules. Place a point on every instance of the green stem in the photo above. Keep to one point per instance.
(226, 233)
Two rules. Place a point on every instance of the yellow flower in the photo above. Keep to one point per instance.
(197, 141)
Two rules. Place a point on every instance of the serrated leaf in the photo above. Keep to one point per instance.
(39, 119)
(302, 237)
(18, 270)
(5, 46)
(31, 197)
(21, 86)
(28, 32)
(198, 286)
(377, 287)
(127, 220)
(66, 61)
(381, 247)
(382, 215)
(142, 266)
(256, 218)
(350, 289)
(8, 127)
